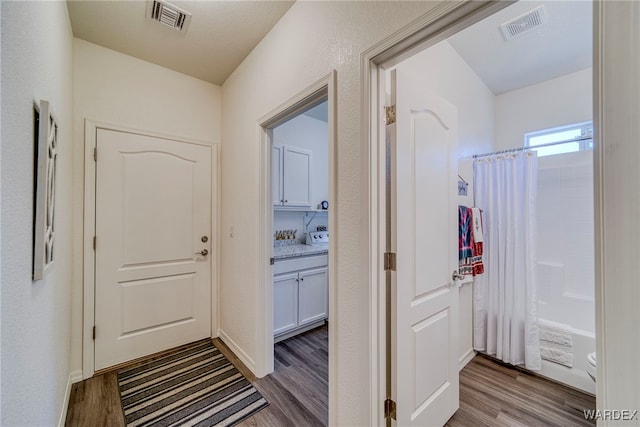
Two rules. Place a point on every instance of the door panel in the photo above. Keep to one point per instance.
(297, 176)
(285, 302)
(313, 290)
(153, 203)
(424, 236)
(430, 165)
(149, 193)
(173, 302)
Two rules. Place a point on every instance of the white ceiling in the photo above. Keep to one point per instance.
(561, 46)
(221, 33)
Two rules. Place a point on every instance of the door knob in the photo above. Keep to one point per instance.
(456, 275)
(203, 252)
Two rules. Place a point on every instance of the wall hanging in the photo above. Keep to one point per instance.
(46, 151)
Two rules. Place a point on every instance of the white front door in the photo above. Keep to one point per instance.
(424, 359)
(153, 244)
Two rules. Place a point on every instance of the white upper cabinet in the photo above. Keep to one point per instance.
(276, 174)
(291, 176)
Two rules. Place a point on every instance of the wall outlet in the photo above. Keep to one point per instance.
(462, 188)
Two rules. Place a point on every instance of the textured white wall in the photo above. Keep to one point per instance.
(285, 220)
(36, 64)
(444, 72)
(561, 101)
(307, 43)
(116, 88)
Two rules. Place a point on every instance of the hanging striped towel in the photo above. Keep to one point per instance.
(465, 240)
(478, 242)
(469, 248)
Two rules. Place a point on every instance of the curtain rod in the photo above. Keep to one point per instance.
(512, 150)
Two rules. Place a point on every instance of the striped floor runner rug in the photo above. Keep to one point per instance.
(193, 386)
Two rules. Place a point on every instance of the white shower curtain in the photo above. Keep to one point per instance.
(504, 297)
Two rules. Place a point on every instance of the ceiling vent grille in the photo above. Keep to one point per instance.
(524, 23)
(168, 14)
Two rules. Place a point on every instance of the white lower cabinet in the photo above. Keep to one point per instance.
(312, 296)
(300, 298)
(285, 302)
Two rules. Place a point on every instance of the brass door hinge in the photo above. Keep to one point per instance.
(389, 261)
(390, 409)
(94, 332)
(390, 115)
(94, 243)
(95, 154)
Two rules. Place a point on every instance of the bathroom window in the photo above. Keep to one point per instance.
(564, 139)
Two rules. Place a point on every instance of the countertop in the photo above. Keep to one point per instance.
(293, 251)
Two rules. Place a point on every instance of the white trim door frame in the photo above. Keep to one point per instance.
(325, 88)
(89, 222)
(616, 76)
(436, 25)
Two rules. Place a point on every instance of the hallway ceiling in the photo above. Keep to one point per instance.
(221, 33)
(561, 46)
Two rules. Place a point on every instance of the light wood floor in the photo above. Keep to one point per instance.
(491, 394)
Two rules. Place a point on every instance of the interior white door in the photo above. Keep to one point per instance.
(153, 235)
(424, 358)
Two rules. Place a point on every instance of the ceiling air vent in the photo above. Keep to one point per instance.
(168, 14)
(523, 23)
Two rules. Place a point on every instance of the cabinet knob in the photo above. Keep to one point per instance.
(302, 278)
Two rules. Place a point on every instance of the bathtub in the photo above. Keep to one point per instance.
(573, 306)
(565, 252)
(584, 342)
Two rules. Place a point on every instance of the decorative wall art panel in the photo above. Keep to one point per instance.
(46, 151)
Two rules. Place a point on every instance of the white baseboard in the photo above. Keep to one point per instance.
(73, 377)
(76, 376)
(238, 351)
(298, 331)
(466, 358)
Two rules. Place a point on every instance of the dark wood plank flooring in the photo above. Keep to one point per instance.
(491, 394)
(296, 391)
(495, 394)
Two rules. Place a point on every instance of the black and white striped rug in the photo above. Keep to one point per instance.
(193, 386)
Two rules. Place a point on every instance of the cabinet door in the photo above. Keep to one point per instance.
(313, 296)
(276, 174)
(285, 302)
(297, 176)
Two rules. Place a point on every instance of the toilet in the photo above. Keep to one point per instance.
(591, 365)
